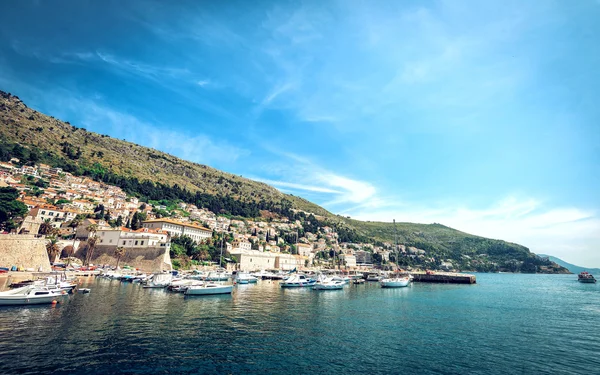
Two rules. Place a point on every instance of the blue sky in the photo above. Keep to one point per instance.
(479, 115)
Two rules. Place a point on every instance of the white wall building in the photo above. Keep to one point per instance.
(176, 228)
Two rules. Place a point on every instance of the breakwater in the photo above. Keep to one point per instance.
(444, 277)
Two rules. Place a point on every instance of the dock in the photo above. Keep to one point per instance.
(444, 277)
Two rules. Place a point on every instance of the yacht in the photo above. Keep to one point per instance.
(29, 295)
(296, 281)
(329, 284)
(209, 288)
(585, 277)
(395, 282)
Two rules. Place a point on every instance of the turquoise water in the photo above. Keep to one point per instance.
(521, 324)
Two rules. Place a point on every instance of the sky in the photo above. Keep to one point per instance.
(480, 115)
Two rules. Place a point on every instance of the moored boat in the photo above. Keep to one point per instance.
(586, 277)
(244, 278)
(208, 289)
(329, 285)
(395, 282)
(297, 281)
(29, 295)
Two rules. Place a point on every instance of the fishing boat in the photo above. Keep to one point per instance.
(297, 281)
(29, 295)
(586, 277)
(208, 289)
(245, 278)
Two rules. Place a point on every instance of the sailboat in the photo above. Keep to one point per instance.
(209, 287)
(395, 282)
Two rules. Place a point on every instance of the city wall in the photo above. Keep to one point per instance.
(24, 250)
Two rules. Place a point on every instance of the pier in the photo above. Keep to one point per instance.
(444, 277)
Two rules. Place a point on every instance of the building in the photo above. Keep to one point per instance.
(304, 249)
(363, 257)
(176, 228)
(55, 215)
(254, 260)
(128, 238)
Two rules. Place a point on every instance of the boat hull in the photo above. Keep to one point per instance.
(395, 283)
(31, 300)
(203, 291)
(297, 285)
(328, 287)
(587, 281)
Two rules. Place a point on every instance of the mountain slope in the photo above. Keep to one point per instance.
(571, 267)
(37, 138)
(72, 146)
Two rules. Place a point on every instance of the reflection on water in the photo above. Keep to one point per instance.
(505, 323)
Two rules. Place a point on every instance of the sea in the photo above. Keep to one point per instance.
(504, 324)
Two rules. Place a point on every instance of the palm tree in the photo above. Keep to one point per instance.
(46, 227)
(91, 245)
(52, 249)
(74, 224)
(119, 252)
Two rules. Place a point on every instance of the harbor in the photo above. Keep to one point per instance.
(262, 327)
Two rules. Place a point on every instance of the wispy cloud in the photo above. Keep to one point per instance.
(570, 233)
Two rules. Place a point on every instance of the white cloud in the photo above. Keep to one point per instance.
(570, 233)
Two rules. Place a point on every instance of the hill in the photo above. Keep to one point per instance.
(35, 138)
(571, 267)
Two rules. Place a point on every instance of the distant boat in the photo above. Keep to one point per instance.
(208, 289)
(329, 284)
(585, 277)
(159, 280)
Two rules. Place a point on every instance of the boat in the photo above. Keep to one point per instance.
(329, 284)
(29, 295)
(296, 281)
(159, 280)
(183, 284)
(395, 282)
(217, 276)
(83, 290)
(374, 277)
(358, 281)
(245, 278)
(208, 289)
(586, 277)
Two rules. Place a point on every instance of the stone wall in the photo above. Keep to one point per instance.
(151, 259)
(25, 251)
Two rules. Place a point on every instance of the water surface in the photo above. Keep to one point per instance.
(521, 324)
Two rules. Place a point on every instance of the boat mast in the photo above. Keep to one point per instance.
(221, 256)
(396, 240)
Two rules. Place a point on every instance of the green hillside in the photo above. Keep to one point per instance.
(153, 175)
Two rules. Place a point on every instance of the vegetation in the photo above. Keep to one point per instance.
(10, 208)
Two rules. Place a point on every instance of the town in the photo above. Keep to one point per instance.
(98, 223)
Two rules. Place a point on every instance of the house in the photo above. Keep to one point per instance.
(304, 249)
(177, 228)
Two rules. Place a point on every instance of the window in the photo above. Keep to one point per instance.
(109, 241)
(142, 243)
(124, 242)
(43, 212)
(136, 242)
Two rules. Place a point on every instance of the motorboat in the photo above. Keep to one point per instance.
(269, 275)
(29, 295)
(217, 276)
(159, 280)
(297, 280)
(358, 281)
(395, 282)
(208, 289)
(586, 277)
(374, 277)
(183, 284)
(245, 278)
(329, 284)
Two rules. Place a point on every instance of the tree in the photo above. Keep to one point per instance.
(119, 252)
(46, 228)
(91, 246)
(10, 208)
(52, 249)
(119, 221)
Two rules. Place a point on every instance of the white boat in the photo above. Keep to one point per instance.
(183, 285)
(329, 285)
(208, 288)
(217, 276)
(29, 295)
(245, 278)
(297, 281)
(395, 282)
(374, 277)
(159, 280)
